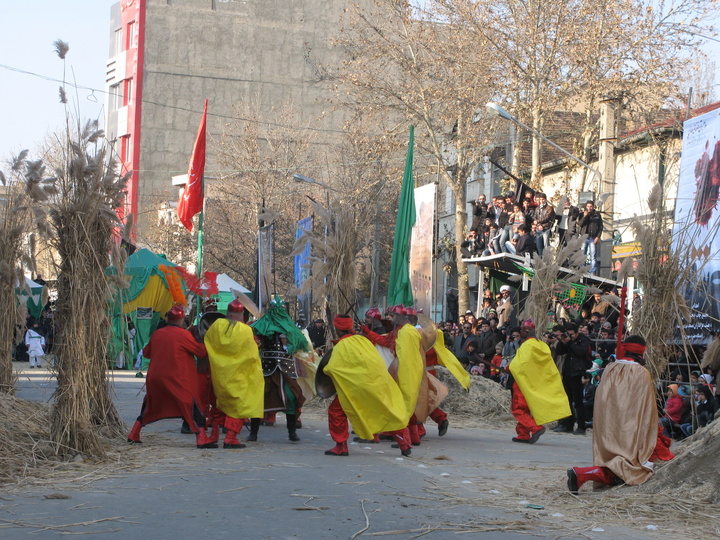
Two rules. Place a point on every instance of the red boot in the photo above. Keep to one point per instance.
(403, 440)
(233, 427)
(340, 449)
(577, 476)
(214, 434)
(134, 436)
(202, 441)
(414, 434)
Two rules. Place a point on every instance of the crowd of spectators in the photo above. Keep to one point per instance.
(506, 225)
(581, 348)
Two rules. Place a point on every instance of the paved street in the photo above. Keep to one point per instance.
(473, 479)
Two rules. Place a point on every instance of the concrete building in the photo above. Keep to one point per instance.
(167, 56)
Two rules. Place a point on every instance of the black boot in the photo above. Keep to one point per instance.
(254, 428)
(291, 427)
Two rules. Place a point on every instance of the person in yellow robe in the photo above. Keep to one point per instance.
(236, 371)
(367, 395)
(538, 396)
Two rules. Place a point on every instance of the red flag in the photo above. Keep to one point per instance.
(191, 200)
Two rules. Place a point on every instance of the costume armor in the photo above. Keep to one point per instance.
(275, 357)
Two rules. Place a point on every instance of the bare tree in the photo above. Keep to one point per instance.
(407, 65)
(555, 55)
(261, 158)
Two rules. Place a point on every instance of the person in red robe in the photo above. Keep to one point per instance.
(172, 381)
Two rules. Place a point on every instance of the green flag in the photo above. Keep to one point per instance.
(399, 289)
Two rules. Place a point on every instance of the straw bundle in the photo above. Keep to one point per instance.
(83, 219)
(27, 188)
(666, 273)
(334, 249)
(545, 284)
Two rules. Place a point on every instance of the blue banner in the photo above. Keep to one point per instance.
(302, 270)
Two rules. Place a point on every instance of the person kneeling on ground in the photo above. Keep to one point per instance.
(626, 439)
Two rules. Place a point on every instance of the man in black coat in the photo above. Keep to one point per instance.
(578, 359)
(591, 224)
(486, 340)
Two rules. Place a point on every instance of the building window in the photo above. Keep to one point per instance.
(127, 94)
(125, 150)
(117, 42)
(131, 36)
(115, 101)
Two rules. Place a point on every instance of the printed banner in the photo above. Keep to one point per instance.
(265, 266)
(421, 248)
(696, 219)
(302, 269)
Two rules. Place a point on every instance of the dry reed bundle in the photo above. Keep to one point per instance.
(83, 219)
(334, 249)
(546, 284)
(666, 272)
(26, 189)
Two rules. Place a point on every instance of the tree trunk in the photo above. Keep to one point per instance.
(458, 189)
(536, 147)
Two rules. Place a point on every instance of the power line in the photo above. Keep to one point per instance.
(176, 107)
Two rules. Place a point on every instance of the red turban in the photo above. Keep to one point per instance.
(343, 323)
(634, 348)
(176, 313)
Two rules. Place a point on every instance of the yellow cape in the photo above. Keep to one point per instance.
(539, 380)
(235, 369)
(411, 366)
(448, 360)
(368, 394)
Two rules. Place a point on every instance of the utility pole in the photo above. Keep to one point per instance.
(606, 165)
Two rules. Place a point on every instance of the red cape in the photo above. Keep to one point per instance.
(172, 379)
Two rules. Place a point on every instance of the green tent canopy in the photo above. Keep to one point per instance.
(143, 303)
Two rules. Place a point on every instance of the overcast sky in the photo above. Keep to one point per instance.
(29, 104)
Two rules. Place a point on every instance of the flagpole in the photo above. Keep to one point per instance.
(201, 220)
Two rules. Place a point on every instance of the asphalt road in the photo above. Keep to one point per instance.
(473, 480)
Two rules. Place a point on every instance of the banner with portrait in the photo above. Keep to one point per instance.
(697, 216)
(421, 248)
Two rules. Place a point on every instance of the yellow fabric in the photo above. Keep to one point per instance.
(307, 363)
(625, 423)
(411, 365)
(368, 394)
(155, 295)
(235, 369)
(539, 380)
(448, 360)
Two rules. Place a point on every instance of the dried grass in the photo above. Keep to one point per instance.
(83, 220)
(545, 284)
(27, 189)
(334, 246)
(666, 272)
(485, 400)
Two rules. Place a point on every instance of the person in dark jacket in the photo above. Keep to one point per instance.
(578, 359)
(486, 340)
(480, 212)
(588, 397)
(525, 243)
(591, 224)
(544, 219)
(567, 222)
